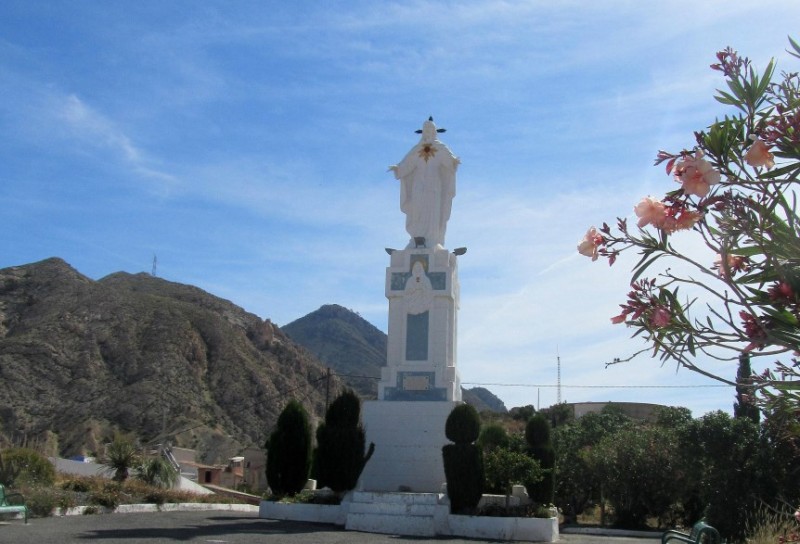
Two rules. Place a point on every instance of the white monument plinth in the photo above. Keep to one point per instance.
(419, 385)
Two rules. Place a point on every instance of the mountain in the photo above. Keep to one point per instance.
(81, 359)
(483, 400)
(345, 342)
(356, 350)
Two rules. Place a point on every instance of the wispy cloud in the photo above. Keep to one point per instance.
(247, 146)
(93, 130)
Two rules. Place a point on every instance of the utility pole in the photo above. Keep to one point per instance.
(327, 388)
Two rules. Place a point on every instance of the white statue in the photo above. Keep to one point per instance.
(428, 185)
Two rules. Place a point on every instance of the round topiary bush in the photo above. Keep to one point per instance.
(463, 461)
(463, 425)
(537, 431)
(344, 411)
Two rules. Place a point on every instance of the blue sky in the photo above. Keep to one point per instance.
(245, 144)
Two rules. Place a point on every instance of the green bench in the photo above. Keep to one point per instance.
(8, 508)
(702, 533)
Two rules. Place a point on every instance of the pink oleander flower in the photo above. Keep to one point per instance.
(736, 263)
(695, 174)
(754, 330)
(797, 516)
(781, 292)
(590, 244)
(687, 219)
(661, 317)
(617, 319)
(680, 219)
(650, 212)
(758, 154)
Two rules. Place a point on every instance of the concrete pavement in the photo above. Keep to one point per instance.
(216, 527)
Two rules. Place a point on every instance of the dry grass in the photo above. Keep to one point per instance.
(70, 491)
(771, 526)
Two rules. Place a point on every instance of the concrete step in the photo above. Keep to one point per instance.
(412, 514)
(391, 524)
(393, 498)
(393, 509)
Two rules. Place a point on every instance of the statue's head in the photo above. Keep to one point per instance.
(428, 131)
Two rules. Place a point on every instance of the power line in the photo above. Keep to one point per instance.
(560, 385)
(600, 386)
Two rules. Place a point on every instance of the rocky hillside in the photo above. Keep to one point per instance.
(483, 400)
(356, 350)
(81, 359)
(344, 341)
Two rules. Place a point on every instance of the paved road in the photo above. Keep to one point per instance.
(215, 528)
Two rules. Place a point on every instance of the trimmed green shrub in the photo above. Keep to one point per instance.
(493, 436)
(25, 467)
(463, 425)
(289, 451)
(540, 447)
(340, 458)
(463, 461)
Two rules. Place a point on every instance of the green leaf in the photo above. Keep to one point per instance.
(788, 385)
(745, 251)
(737, 89)
(762, 87)
(642, 266)
(796, 48)
(726, 98)
(772, 174)
(690, 346)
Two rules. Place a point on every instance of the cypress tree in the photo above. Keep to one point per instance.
(745, 406)
(340, 457)
(537, 435)
(289, 451)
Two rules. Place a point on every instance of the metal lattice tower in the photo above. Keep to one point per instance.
(558, 358)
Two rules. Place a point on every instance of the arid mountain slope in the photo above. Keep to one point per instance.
(135, 353)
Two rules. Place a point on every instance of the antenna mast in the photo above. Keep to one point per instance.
(155, 263)
(558, 358)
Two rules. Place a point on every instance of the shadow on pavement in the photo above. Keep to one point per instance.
(234, 525)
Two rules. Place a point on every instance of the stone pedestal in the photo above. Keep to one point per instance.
(408, 437)
(419, 385)
(423, 292)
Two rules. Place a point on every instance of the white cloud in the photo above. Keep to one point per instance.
(267, 131)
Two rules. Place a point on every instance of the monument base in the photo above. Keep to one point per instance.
(408, 437)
